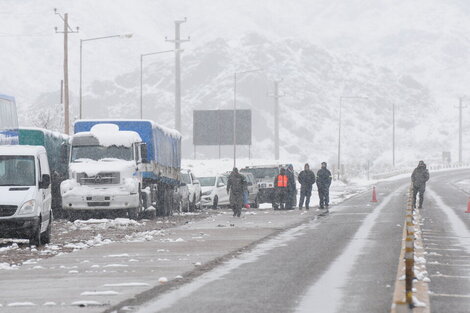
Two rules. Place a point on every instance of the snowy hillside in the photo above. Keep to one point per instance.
(312, 80)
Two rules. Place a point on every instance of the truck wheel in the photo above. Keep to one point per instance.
(46, 237)
(35, 239)
(215, 203)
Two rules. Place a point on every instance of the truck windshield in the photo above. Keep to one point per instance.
(99, 152)
(260, 173)
(207, 181)
(17, 170)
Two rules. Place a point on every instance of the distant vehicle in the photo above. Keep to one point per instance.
(25, 194)
(181, 198)
(129, 165)
(57, 146)
(194, 187)
(214, 190)
(253, 189)
(264, 176)
(8, 121)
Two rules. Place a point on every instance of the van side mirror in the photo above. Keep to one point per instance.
(45, 181)
(144, 153)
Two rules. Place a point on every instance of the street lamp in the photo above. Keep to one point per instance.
(123, 36)
(235, 110)
(339, 126)
(141, 75)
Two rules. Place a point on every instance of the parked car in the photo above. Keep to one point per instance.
(214, 191)
(25, 194)
(253, 189)
(194, 188)
(181, 198)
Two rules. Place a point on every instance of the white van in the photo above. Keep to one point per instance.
(25, 194)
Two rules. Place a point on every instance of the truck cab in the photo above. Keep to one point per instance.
(25, 194)
(104, 171)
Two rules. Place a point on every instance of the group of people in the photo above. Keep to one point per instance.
(286, 189)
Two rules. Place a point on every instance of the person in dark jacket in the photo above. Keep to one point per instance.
(306, 180)
(291, 188)
(323, 185)
(419, 178)
(236, 185)
(280, 184)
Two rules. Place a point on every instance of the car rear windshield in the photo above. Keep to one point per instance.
(207, 181)
(185, 178)
(260, 173)
(17, 170)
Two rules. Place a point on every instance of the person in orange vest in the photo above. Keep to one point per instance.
(280, 184)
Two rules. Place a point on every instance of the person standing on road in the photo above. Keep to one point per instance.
(306, 180)
(323, 185)
(291, 188)
(280, 184)
(236, 185)
(419, 178)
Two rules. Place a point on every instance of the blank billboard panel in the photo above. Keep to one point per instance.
(215, 127)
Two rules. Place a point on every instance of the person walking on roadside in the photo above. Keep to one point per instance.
(280, 184)
(236, 185)
(323, 185)
(306, 180)
(291, 198)
(419, 178)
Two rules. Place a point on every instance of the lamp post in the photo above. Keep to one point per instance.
(339, 126)
(129, 35)
(235, 110)
(141, 75)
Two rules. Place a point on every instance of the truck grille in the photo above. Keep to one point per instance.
(7, 210)
(99, 179)
(93, 204)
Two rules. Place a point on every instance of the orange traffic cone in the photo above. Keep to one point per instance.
(374, 195)
(468, 206)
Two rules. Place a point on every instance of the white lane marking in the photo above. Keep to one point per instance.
(458, 227)
(167, 300)
(448, 295)
(326, 294)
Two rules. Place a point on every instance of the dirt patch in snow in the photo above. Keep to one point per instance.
(81, 234)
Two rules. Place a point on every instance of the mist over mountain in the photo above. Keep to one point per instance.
(413, 54)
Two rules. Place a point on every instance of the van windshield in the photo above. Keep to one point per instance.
(99, 152)
(262, 172)
(17, 170)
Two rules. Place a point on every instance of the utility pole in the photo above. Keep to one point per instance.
(66, 31)
(276, 97)
(178, 41)
(393, 134)
(461, 107)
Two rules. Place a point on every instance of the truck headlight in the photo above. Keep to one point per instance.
(206, 193)
(27, 207)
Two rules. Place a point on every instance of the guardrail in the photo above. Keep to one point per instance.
(411, 286)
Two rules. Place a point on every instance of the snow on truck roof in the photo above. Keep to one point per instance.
(110, 135)
(47, 132)
(21, 150)
(168, 131)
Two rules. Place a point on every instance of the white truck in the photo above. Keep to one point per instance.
(122, 165)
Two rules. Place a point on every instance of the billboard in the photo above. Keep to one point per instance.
(215, 127)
